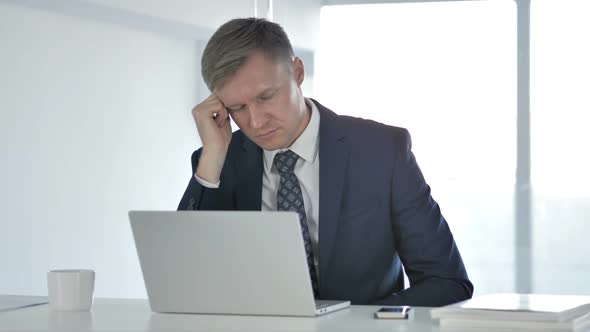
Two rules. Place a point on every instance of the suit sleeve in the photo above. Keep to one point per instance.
(425, 243)
(199, 197)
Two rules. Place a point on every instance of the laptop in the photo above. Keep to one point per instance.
(225, 262)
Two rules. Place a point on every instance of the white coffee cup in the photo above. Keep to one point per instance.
(70, 290)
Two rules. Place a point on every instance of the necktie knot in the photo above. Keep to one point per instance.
(285, 162)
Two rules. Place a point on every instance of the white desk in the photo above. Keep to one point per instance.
(136, 315)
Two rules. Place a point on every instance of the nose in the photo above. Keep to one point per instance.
(257, 117)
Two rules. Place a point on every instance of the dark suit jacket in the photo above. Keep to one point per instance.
(375, 214)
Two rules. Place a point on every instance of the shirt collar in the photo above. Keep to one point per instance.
(306, 146)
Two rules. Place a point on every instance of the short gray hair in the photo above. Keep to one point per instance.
(232, 43)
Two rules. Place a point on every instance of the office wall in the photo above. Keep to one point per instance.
(205, 13)
(95, 100)
(301, 20)
(95, 120)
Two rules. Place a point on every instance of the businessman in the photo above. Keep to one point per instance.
(364, 207)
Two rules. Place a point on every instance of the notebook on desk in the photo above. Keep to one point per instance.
(517, 312)
(225, 262)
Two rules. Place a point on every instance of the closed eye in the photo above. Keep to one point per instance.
(234, 109)
(267, 96)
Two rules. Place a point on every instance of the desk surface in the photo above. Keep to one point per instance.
(136, 315)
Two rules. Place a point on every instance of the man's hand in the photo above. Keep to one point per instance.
(213, 125)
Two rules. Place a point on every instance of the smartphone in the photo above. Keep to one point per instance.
(398, 312)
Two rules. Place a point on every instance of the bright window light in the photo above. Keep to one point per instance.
(560, 145)
(447, 72)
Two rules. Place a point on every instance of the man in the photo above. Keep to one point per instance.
(362, 201)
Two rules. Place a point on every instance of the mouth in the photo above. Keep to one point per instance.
(267, 134)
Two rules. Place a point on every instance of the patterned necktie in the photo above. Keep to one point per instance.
(290, 198)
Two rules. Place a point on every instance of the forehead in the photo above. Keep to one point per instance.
(257, 74)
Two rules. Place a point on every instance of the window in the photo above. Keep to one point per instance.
(560, 139)
(447, 72)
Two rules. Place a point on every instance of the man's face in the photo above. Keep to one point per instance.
(265, 100)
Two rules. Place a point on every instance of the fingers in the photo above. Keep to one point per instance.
(222, 115)
(226, 122)
(211, 109)
(213, 124)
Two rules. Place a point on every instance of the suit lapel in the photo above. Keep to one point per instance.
(334, 154)
(249, 169)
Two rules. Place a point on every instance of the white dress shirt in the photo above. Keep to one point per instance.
(307, 170)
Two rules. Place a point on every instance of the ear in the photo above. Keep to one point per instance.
(298, 70)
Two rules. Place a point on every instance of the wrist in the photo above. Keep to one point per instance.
(210, 166)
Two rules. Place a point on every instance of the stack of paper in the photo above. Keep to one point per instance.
(516, 312)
